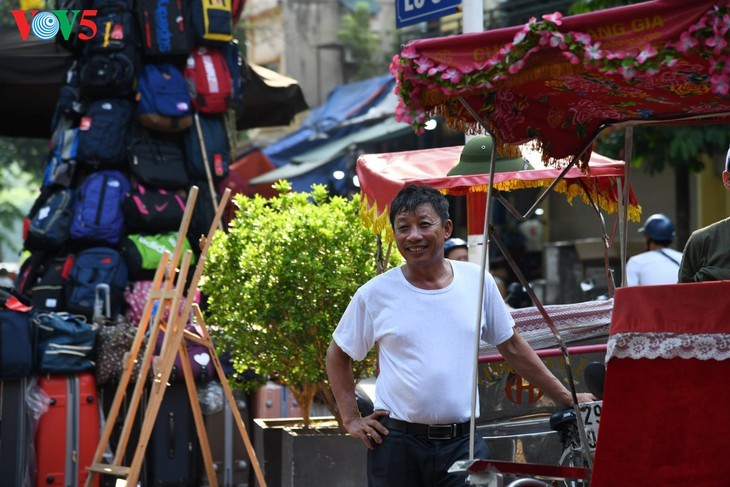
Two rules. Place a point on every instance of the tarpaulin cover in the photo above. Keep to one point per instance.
(665, 419)
(559, 80)
(381, 176)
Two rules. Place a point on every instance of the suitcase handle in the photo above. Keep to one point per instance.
(102, 302)
(171, 435)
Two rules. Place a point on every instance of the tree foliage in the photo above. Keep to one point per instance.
(279, 281)
(363, 45)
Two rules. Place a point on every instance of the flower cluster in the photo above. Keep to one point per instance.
(416, 73)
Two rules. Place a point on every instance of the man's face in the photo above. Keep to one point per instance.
(420, 235)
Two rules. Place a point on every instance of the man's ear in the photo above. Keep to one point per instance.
(726, 179)
(448, 228)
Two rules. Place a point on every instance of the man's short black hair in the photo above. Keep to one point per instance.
(412, 196)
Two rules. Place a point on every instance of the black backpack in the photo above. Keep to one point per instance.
(217, 149)
(48, 223)
(165, 27)
(152, 210)
(103, 132)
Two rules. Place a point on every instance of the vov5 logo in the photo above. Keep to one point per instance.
(46, 25)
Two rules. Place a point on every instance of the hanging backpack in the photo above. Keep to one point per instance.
(93, 266)
(217, 154)
(163, 99)
(165, 27)
(48, 223)
(65, 342)
(157, 160)
(98, 213)
(61, 166)
(209, 81)
(48, 291)
(212, 20)
(143, 253)
(234, 60)
(150, 210)
(17, 337)
(103, 132)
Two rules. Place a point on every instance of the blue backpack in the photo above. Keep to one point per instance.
(49, 221)
(94, 266)
(61, 167)
(65, 342)
(103, 132)
(163, 99)
(217, 149)
(98, 213)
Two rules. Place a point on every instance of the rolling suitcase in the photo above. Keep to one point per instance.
(15, 427)
(68, 433)
(273, 400)
(173, 453)
(229, 454)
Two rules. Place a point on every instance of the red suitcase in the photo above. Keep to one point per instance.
(68, 433)
(273, 400)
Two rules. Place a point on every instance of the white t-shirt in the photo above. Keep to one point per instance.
(426, 340)
(652, 268)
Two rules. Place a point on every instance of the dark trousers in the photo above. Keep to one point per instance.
(405, 460)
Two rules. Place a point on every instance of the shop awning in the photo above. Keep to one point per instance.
(381, 176)
(321, 155)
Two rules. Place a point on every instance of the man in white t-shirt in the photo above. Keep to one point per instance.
(659, 264)
(421, 316)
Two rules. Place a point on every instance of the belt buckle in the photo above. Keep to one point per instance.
(440, 431)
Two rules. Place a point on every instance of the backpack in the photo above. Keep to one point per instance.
(149, 210)
(48, 223)
(17, 342)
(234, 59)
(111, 61)
(48, 291)
(163, 99)
(98, 212)
(165, 27)
(208, 80)
(62, 159)
(157, 160)
(217, 149)
(103, 132)
(212, 20)
(143, 253)
(93, 266)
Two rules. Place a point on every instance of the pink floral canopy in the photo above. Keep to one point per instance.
(560, 80)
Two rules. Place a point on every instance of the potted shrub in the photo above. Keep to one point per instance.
(279, 280)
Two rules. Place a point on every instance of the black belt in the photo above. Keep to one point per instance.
(431, 431)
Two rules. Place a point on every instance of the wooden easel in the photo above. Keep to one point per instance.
(166, 296)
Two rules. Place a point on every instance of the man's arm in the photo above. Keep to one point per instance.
(342, 383)
(525, 361)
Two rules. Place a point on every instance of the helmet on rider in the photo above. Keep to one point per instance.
(659, 228)
(453, 243)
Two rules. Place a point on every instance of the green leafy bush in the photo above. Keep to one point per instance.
(279, 281)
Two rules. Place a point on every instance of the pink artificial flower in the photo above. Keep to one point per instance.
(724, 24)
(717, 42)
(554, 18)
(671, 62)
(701, 24)
(686, 42)
(544, 37)
(394, 64)
(452, 74)
(516, 67)
(409, 52)
(424, 64)
(584, 39)
(436, 69)
(628, 72)
(720, 84)
(571, 57)
(647, 52)
(519, 37)
(557, 40)
(593, 52)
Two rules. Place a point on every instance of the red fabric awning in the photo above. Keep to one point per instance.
(381, 176)
(558, 81)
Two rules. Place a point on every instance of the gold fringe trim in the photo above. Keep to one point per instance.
(378, 221)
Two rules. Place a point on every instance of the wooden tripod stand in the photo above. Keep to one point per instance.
(167, 297)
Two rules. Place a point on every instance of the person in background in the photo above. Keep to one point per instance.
(456, 249)
(706, 255)
(658, 264)
(419, 316)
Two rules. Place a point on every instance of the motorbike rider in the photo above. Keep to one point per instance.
(659, 264)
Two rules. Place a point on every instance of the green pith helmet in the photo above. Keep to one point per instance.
(476, 155)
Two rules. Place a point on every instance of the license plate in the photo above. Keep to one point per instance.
(591, 414)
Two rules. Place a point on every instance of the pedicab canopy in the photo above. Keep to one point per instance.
(381, 176)
(558, 80)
